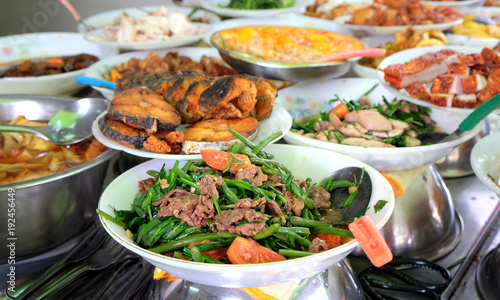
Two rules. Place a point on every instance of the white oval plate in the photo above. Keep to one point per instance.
(463, 40)
(103, 67)
(95, 36)
(297, 21)
(279, 120)
(485, 159)
(16, 48)
(319, 163)
(406, 55)
(362, 30)
(111, 17)
(309, 99)
(456, 4)
(212, 5)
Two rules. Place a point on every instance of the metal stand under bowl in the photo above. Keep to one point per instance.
(424, 224)
(337, 282)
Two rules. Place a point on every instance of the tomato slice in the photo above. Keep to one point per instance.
(331, 240)
(220, 159)
(247, 251)
(371, 240)
(216, 254)
(340, 110)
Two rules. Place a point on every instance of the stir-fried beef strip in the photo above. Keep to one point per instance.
(229, 221)
(208, 186)
(252, 173)
(145, 184)
(249, 203)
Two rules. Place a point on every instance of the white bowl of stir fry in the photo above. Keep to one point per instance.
(261, 267)
(310, 99)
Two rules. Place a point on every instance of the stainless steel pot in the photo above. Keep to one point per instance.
(50, 210)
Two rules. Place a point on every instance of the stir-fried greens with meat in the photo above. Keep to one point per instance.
(359, 123)
(229, 204)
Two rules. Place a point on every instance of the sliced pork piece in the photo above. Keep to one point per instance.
(446, 84)
(473, 84)
(416, 90)
(491, 58)
(423, 68)
(465, 101)
(142, 108)
(444, 100)
(492, 88)
(369, 119)
(471, 59)
(459, 69)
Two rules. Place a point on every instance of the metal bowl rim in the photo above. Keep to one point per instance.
(103, 157)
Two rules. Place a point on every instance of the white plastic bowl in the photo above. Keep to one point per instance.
(309, 99)
(303, 162)
(16, 48)
(485, 159)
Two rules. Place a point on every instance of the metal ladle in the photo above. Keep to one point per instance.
(70, 125)
(339, 195)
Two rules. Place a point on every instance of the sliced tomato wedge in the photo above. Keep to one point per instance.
(331, 240)
(340, 110)
(371, 240)
(247, 251)
(220, 159)
(216, 254)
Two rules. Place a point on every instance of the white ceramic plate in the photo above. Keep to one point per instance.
(456, 4)
(363, 71)
(485, 159)
(95, 36)
(297, 21)
(362, 30)
(111, 17)
(319, 163)
(96, 23)
(213, 5)
(463, 40)
(16, 48)
(279, 120)
(408, 54)
(309, 99)
(103, 67)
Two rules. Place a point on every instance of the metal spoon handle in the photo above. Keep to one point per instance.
(480, 113)
(40, 131)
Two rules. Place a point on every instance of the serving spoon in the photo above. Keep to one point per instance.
(70, 125)
(476, 116)
(339, 195)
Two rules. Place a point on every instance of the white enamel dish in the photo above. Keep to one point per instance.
(96, 22)
(278, 120)
(309, 99)
(485, 160)
(16, 48)
(304, 162)
(111, 17)
(363, 30)
(408, 54)
(213, 5)
(100, 68)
